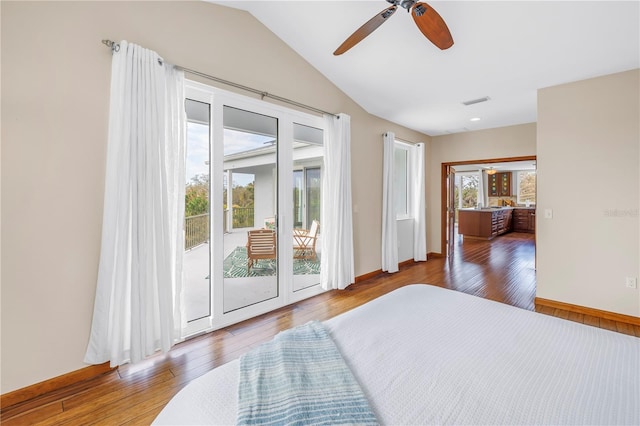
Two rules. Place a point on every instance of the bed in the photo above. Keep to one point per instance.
(427, 355)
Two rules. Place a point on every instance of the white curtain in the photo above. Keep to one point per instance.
(482, 193)
(418, 204)
(137, 309)
(337, 224)
(389, 221)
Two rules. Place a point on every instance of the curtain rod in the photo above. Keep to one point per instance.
(115, 47)
(404, 140)
(408, 142)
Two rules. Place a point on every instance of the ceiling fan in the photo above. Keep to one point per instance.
(425, 17)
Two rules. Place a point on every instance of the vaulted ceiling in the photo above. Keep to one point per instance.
(504, 50)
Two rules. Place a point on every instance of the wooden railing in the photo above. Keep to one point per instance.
(196, 230)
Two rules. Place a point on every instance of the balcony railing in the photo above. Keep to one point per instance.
(243, 217)
(196, 228)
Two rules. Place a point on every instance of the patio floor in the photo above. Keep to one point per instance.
(237, 292)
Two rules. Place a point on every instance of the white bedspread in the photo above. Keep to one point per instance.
(426, 355)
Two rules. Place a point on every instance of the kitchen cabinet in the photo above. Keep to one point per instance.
(500, 184)
(524, 220)
(484, 223)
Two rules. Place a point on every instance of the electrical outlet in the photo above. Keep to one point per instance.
(631, 282)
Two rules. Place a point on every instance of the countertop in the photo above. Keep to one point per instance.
(493, 209)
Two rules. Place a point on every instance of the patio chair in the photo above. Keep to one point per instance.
(261, 244)
(304, 242)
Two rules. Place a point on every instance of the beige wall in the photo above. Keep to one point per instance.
(588, 160)
(55, 90)
(503, 142)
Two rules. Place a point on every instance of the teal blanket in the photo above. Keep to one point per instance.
(300, 378)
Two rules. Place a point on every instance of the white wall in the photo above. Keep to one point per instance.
(588, 160)
(503, 142)
(55, 99)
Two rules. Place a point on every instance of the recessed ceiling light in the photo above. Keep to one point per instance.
(475, 119)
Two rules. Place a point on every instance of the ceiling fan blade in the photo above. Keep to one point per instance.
(432, 25)
(365, 30)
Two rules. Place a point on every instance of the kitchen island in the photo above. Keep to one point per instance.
(486, 223)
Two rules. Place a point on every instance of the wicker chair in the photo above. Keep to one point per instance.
(304, 242)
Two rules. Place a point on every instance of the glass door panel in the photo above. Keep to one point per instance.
(196, 265)
(307, 163)
(250, 273)
(313, 189)
(298, 201)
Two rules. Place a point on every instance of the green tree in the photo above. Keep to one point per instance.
(469, 191)
(243, 195)
(527, 187)
(196, 197)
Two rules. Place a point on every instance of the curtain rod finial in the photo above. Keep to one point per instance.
(115, 47)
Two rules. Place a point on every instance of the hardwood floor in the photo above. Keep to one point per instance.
(501, 270)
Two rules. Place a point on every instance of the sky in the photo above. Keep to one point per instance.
(197, 150)
(234, 141)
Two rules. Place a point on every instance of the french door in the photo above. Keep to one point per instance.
(243, 189)
(451, 210)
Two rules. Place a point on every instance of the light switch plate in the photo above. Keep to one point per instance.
(548, 214)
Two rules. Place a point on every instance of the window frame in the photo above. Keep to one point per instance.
(463, 175)
(518, 180)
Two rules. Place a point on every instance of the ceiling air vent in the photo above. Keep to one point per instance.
(476, 101)
(460, 130)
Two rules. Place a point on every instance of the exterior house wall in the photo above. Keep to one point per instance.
(264, 197)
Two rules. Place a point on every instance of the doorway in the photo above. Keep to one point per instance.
(449, 195)
(254, 179)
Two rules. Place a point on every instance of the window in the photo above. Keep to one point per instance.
(401, 180)
(527, 187)
(469, 190)
(307, 188)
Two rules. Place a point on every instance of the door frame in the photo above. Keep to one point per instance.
(450, 211)
(287, 118)
(443, 189)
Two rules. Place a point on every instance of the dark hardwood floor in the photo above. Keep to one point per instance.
(501, 270)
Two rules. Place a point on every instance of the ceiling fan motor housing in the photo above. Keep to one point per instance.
(406, 4)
